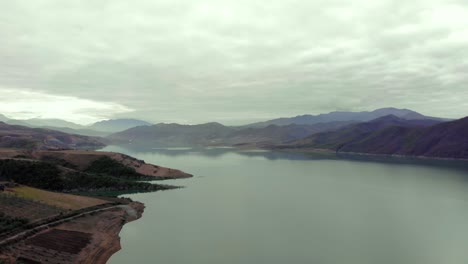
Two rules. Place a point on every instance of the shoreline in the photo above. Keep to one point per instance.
(328, 151)
(102, 250)
(66, 235)
(101, 228)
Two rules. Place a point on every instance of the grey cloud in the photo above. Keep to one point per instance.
(235, 61)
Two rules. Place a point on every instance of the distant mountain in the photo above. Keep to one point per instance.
(40, 122)
(338, 138)
(81, 131)
(17, 122)
(102, 128)
(54, 124)
(344, 116)
(395, 136)
(117, 125)
(11, 121)
(3, 118)
(218, 134)
(14, 136)
(174, 134)
(274, 134)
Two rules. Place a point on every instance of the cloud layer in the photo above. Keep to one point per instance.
(25, 105)
(236, 61)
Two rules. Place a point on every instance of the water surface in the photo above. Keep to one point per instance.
(265, 207)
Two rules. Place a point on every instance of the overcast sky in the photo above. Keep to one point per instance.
(232, 61)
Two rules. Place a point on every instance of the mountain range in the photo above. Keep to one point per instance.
(388, 131)
(272, 132)
(345, 116)
(101, 128)
(392, 135)
(43, 122)
(14, 136)
(212, 134)
(116, 125)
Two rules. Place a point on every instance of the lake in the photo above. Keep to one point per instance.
(266, 207)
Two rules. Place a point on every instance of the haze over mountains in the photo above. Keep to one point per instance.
(116, 125)
(102, 128)
(218, 134)
(382, 131)
(270, 132)
(39, 122)
(3, 118)
(14, 136)
(344, 116)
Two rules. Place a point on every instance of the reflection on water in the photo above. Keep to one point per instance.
(173, 149)
(289, 155)
(277, 207)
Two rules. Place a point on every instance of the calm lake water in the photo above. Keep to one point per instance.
(259, 207)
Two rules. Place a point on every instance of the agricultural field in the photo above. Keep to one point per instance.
(22, 205)
(8, 223)
(61, 240)
(18, 207)
(55, 246)
(60, 200)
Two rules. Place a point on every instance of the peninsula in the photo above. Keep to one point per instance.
(49, 194)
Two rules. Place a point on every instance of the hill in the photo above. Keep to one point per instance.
(395, 136)
(54, 124)
(345, 116)
(82, 131)
(3, 118)
(210, 134)
(274, 134)
(116, 125)
(102, 128)
(82, 171)
(13, 136)
(174, 134)
(43, 122)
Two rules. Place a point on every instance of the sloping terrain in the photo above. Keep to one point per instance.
(83, 159)
(45, 226)
(89, 238)
(216, 134)
(116, 125)
(174, 134)
(98, 129)
(395, 136)
(55, 199)
(23, 208)
(274, 134)
(80, 131)
(13, 136)
(98, 172)
(345, 116)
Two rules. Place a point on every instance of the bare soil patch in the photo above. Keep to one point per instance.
(61, 240)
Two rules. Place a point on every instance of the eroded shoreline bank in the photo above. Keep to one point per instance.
(58, 226)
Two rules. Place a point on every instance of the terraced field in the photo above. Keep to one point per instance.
(61, 240)
(31, 252)
(55, 246)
